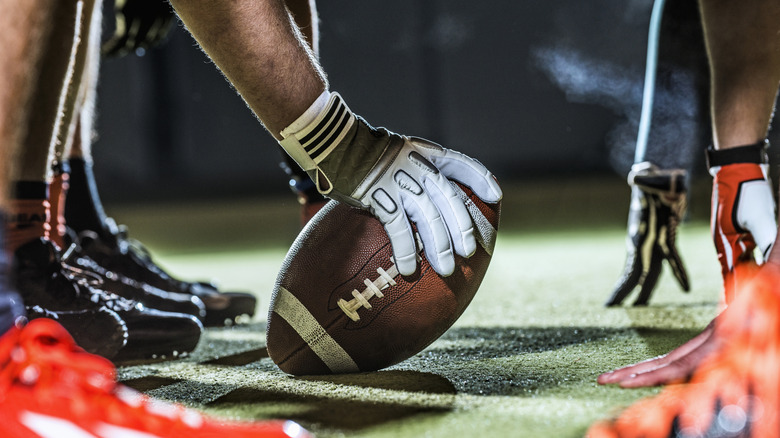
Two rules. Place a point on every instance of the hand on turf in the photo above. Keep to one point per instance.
(409, 181)
(658, 202)
(139, 24)
(674, 367)
(743, 217)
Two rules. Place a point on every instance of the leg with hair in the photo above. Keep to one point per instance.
(30, 202)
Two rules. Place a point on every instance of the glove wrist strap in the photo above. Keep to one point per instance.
(753, 153)
(314, 135)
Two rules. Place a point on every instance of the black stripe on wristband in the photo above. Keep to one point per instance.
(323, 128)
(327, 133)
(752, 153)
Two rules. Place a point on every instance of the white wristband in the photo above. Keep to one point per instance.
(314, 135)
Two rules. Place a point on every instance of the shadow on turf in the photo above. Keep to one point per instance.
(493, 360)
(483, 361)
(342, 409)
(239, 359)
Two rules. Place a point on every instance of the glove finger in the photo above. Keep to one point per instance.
(722, 245)
(432, 230)
(678, 268)
(650, 279)
(402, 240)
(134, 36)
(627, 282)
(160, 31)
(637, 245)
(455, 215)
(755, 213)
(115, 47)
(468, 171)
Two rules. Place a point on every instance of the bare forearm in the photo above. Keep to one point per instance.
(260, 50)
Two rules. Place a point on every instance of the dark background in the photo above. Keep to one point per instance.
(532, 89)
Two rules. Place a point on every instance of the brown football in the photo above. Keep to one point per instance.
(340, 306)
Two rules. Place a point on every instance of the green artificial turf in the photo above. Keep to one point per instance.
(521, 361)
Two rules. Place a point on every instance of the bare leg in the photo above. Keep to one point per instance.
(51, 93)
(742, 44)
(25, 27)
(49, 127)
(262, 53)
(79, 97)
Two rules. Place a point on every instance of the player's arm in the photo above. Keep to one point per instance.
(658, 202)
(399, 179)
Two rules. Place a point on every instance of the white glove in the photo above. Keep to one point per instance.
(397, 178)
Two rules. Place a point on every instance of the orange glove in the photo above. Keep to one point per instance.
(743, 209)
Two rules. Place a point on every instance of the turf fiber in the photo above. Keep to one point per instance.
(521, 361)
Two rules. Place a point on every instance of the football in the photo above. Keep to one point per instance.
(339, 304)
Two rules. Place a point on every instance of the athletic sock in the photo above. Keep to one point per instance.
(84, 211)
(28, 217)
(58, 192)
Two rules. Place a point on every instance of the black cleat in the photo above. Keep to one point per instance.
(44, 281)
(147, 295)
(117, 253)
(83, 324)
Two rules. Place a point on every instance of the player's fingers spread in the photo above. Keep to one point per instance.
(628, 280)
(459, 167)
(678, 269)
(432, 230)
(680, 369)
(627, 372)
(404, 248)
(665, 374)
(677, 355)
(116, 46)
(622, 290)
(456, 216)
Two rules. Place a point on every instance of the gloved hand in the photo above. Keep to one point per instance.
(658, 202)
(743, 217)
(139, 24)
(398, 178)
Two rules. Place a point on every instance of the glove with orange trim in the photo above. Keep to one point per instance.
(743, 208)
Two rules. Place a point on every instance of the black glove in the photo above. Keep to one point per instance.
(140, 24)
(658, 202)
